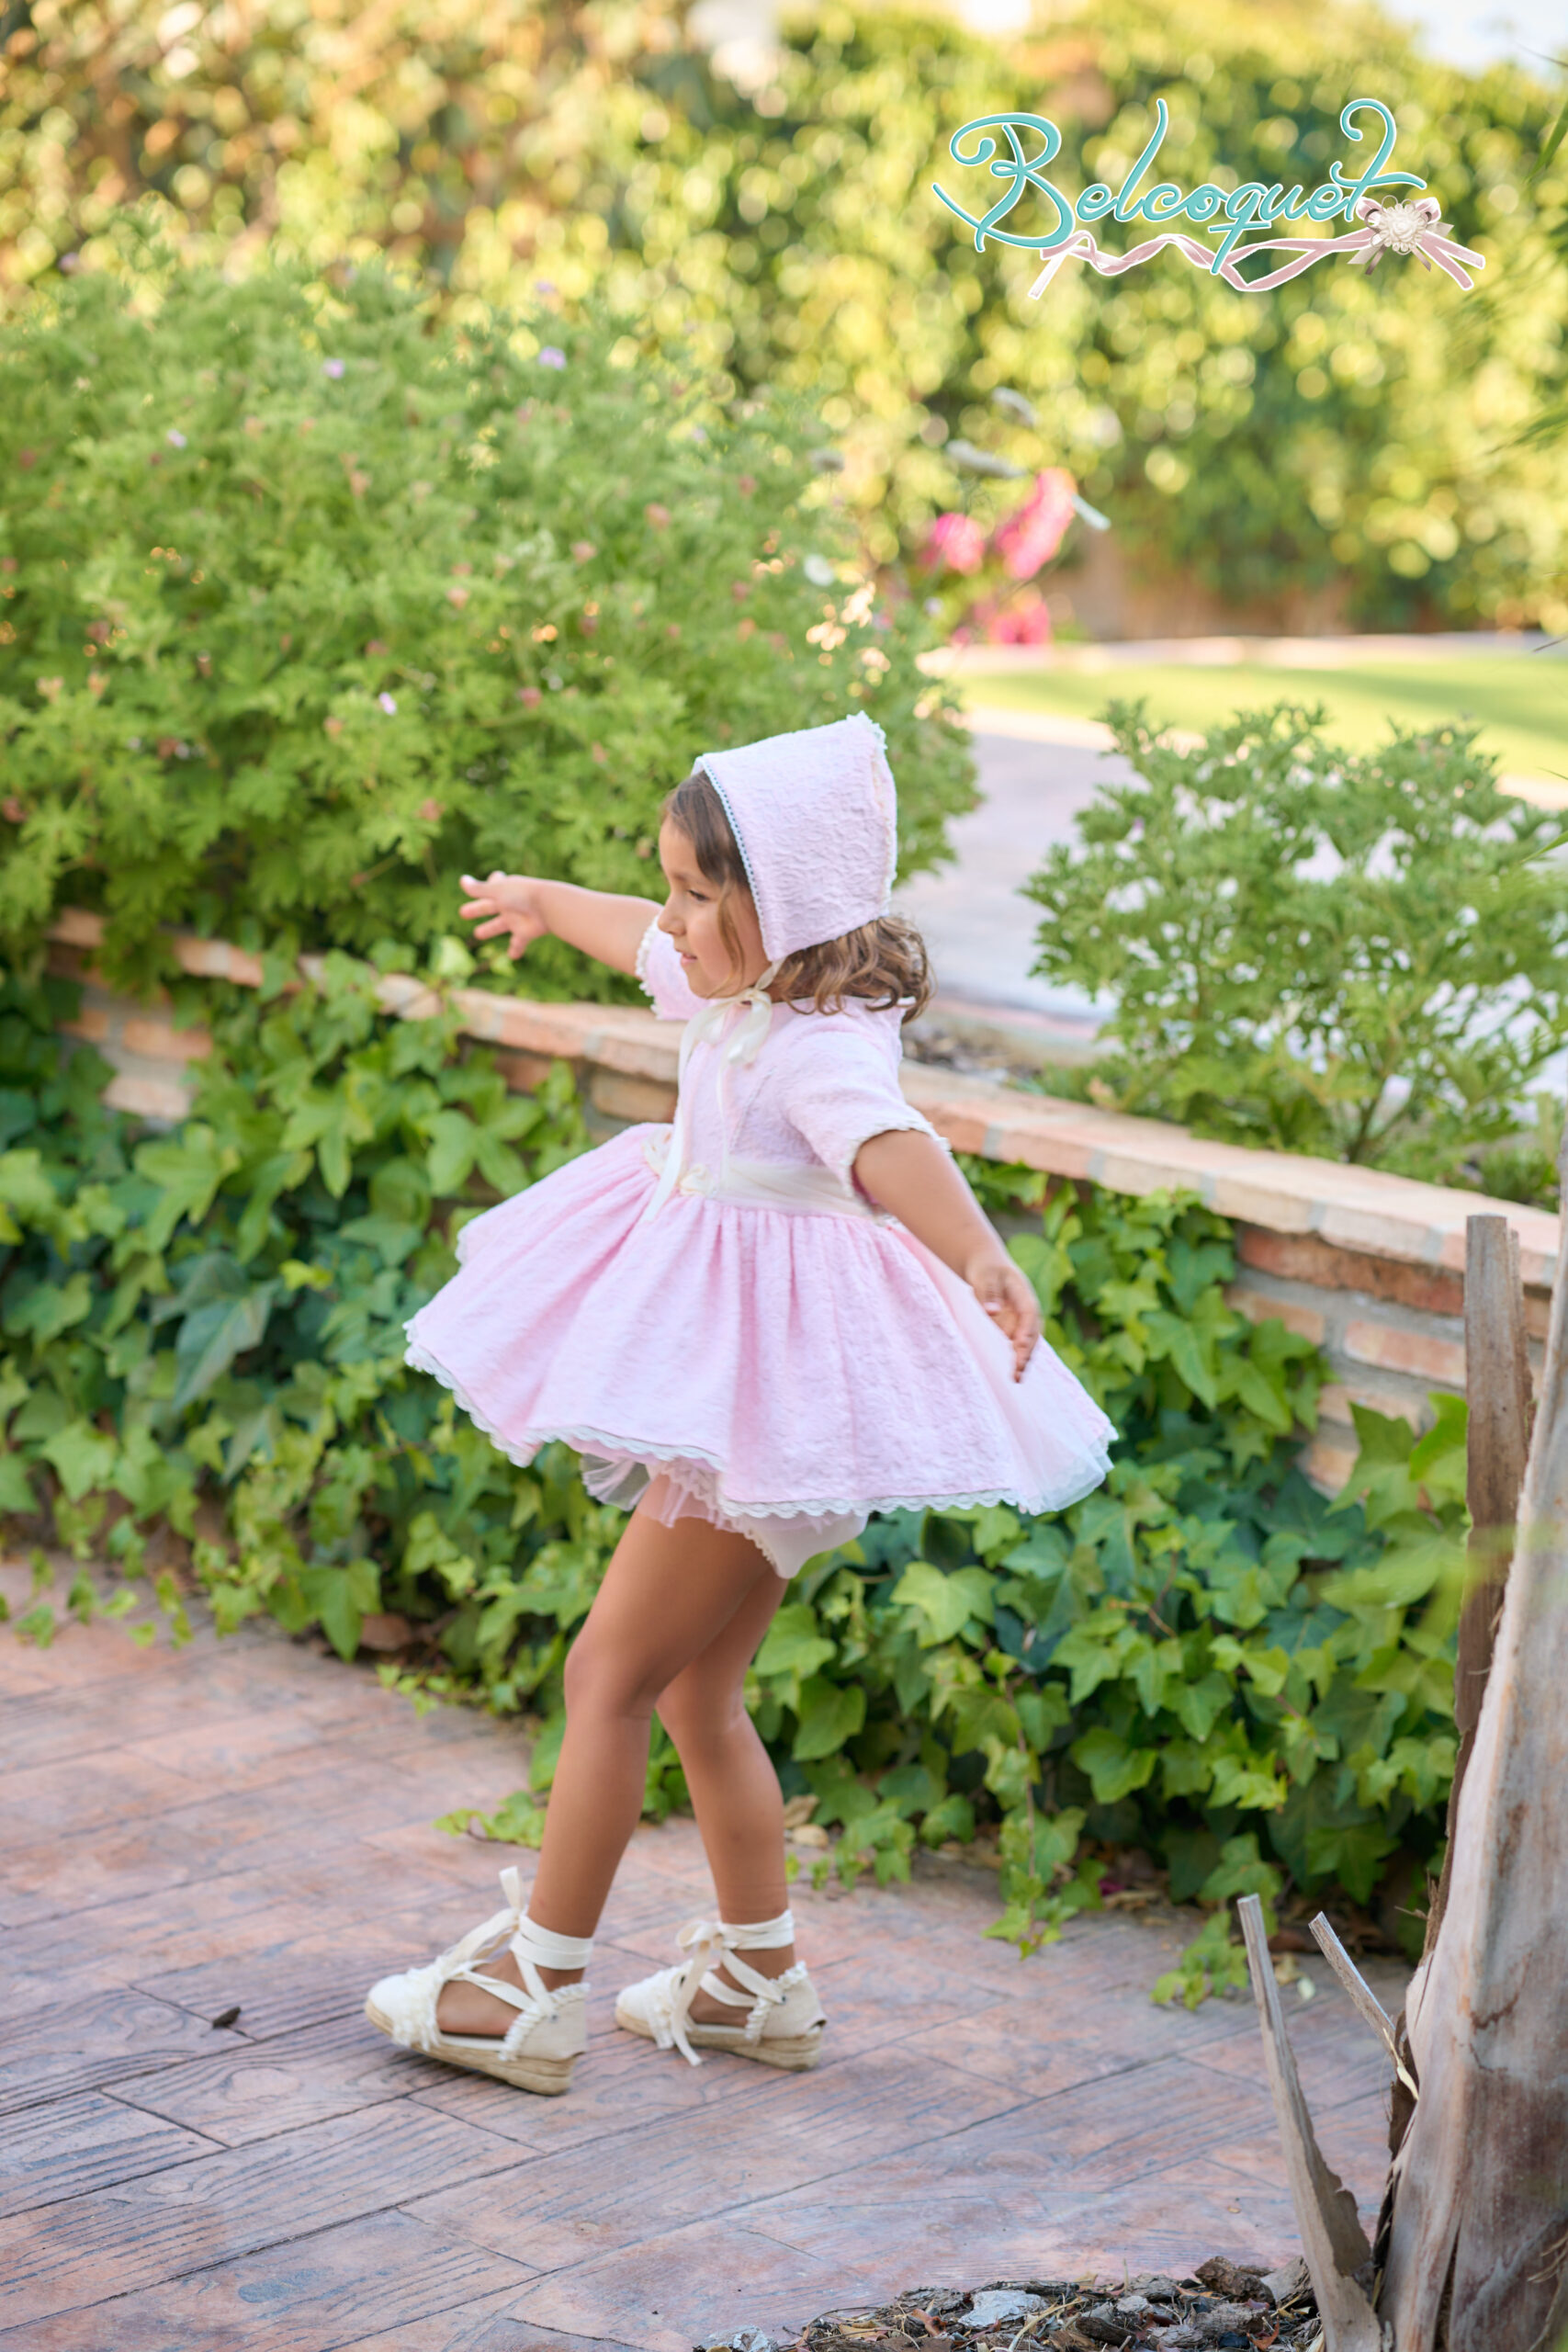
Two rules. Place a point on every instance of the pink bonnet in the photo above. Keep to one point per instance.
(815, 817)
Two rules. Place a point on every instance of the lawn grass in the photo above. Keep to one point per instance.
(1520, 700)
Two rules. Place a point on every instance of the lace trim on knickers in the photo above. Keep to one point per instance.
(602, 1443)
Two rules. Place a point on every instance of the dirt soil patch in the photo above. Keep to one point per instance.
(1225, 2302)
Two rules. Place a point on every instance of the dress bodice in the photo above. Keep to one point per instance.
(784, 1088)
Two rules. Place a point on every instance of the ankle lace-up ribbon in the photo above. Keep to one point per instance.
(510, 1930)
(710, 1943)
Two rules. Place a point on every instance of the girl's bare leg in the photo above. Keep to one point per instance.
(735, 1789)
(669, 1594)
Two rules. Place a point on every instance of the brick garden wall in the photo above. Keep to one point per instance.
(1368, 1266)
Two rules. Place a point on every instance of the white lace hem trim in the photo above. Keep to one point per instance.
(1088, 1473)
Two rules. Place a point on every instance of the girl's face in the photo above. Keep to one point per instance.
(691, 919)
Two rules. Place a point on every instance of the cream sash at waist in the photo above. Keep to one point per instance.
(795, 1187)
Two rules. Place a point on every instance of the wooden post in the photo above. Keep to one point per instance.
(1497, 1381)
(1332, 2237)
(1477, 2234)
(1497, 1385)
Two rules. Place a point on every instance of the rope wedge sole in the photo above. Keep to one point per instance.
(796, 2053)
(548, 2077)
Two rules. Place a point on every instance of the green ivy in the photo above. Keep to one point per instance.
(202, 1363)
(215, 1317)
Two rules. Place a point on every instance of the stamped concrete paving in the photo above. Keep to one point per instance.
(979, 927)
(246, 1824)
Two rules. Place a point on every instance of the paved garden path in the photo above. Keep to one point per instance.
(1035, 774)
(245, 1826)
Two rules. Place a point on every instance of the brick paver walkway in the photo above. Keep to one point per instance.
(246, 1825)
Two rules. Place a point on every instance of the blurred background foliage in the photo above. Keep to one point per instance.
(310, 605)
(1352, 450)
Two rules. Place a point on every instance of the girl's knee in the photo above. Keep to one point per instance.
(692, 1711)
(596, 1680)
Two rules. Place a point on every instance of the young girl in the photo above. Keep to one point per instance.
(758, 1325)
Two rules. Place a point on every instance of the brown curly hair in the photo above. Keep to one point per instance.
(883, 961)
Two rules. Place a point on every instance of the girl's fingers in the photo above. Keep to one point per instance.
(1017, 1313)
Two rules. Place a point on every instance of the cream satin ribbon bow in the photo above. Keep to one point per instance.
(736, 1049)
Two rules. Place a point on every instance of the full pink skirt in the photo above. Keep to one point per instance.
(775, 1367)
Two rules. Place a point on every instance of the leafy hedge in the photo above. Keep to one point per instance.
(1347, 445)
(307, 606)
(202, 1364)
(1358, 955)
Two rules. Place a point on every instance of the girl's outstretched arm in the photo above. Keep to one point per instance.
(601, 923)
(912, 1175)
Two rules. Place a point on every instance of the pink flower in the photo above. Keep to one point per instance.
(552, 357)
(1027, 622)
(957, 541)
(1034, 532)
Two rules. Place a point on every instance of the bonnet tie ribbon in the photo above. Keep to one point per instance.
(737, 1050)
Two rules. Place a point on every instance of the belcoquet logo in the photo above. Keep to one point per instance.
(1404, 226)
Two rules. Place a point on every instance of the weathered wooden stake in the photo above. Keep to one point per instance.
(1332, 2237)
(1497, 1383)
(1477, 2237)
(1368, 2006)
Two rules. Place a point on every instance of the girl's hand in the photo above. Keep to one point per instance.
(507, 902)
(1007, 1297)
(913, 1176)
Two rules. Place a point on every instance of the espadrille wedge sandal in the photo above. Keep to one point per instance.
(784, 2021)
(550, 2032)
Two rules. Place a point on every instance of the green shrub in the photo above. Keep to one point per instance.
(1355, 954)
(1343, 444)
(310, 607)
(202, 1342)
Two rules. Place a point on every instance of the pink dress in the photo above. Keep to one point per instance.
(743, 1320)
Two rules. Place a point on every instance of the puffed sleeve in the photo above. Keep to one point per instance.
(844, 1091)
(658, 969)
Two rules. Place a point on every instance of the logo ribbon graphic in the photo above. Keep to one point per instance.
(1409, 228)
